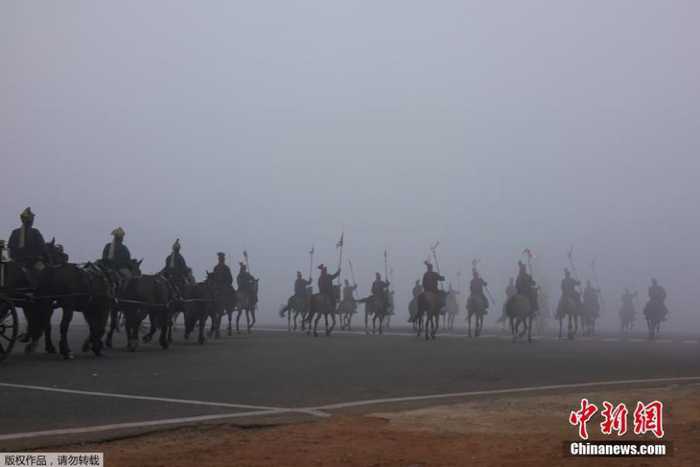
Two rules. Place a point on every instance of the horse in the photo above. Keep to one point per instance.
(627, 318)
(320, 305)
(413, 317)
(346, 309)
(86, 289)
(477, 306)
(519, 311)
(247, 300)
(452, 309)
(430, 305)
(28, 293)
(655, 312)
(199, 303)
(570, 308)
(377, 308)
(144, 294)
(590, 312)
(296, 306)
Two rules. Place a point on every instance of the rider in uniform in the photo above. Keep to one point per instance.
(325, 284)
(417, 289)
(379, 290)
(526, 285)
(568, 287)
(176, 267)
(349, 292)
(221, 272)
(246, 282)
(657, 296)
(301, 286)
(476, 287)
(27, 247)
(117, 258)
(430, 283)
(591, 295)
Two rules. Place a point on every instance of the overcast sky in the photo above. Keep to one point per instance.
(271, 126)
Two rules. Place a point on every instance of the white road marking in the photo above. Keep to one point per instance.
(135, 397)
(611, 339)
(141, 424)
(343, 405)
(318, 411)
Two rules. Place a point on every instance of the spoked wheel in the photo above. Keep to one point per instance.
(9, 328)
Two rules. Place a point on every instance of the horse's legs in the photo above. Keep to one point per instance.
(333, 322)
(318, 318)
(252, 323)
(66, 318)
(529, 329)
(366, 321)
(133, 321)
(48, 342)
(163, 321)
(202, 326)
(469, 323)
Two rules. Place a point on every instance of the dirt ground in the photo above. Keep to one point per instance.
(517, 431)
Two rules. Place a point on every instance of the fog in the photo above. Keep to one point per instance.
(271, 126)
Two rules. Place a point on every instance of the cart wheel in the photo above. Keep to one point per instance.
(9, 327)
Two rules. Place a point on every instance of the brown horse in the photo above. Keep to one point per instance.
(519, 311)
(379, 311)
(572, 309)
(198, 304)
(429, 305)
(248, 302)
(655, 312)
(320, 305)
(144, 295)
(476, 307)
(83, 288)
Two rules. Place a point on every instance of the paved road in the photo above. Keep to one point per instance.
(270, 370)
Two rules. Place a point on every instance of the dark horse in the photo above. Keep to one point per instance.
(199, 303)
(144, 294)
(247, 300)
(655, 312)
(83, 288)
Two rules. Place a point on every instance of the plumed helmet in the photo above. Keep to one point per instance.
(118, 232)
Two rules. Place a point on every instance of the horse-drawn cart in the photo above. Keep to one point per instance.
(9, 325)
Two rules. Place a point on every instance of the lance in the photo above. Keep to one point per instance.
(597, 282)
(339, 245)
(386, 265)
(571, 262)
(529, 255)
(352, 273)
(433, 249)
(311, 261)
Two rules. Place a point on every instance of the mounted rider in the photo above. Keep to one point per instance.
(222, 273)
(591, 295)
(476, 287)
(176, 269)
(116, 258)
(380, 290)
(526, 285)
(27, 247)
(247, 283)
(568, 287)
(657, 297)
(325, 284)
(349, 292)
(302, 286)
(417, 289)
(430, 284)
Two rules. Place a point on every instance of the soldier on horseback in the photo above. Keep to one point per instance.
(301, 286)
(222, 273)
(476, 287)
(27, 247)
(417, 289)
(116, 258)
(430, 283)
(380, 290)
(568, 287)
(657, 298)
(325, 284)
(176, 269)
(246, 282)
(349, 292)
(525, 285)
(591, 296)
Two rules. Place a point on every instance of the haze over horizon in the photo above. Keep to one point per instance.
(271, 126)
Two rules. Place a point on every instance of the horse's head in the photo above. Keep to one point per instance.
(136, 267)
(55, 253)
